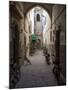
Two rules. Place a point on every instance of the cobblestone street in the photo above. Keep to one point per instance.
(37, 74)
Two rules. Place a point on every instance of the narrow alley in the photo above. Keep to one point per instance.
(37, 44)
(37, 74)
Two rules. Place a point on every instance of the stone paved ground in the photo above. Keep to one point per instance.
(38, 74)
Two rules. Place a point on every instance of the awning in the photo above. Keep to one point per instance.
(33, 37)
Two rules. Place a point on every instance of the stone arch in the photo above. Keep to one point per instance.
(46, 7)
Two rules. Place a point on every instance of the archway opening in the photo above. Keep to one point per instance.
(37, 25)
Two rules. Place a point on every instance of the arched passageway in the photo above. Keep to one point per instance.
(38, 42)
(37, 27)
(36, 71)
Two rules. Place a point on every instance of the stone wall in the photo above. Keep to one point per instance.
(28, 32)
(59, 19)
(20, 8)
(17, 15)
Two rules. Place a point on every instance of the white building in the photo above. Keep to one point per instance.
(38, 23)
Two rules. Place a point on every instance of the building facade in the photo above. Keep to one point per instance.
(38, 24)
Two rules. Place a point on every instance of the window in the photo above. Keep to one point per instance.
(38, 17)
